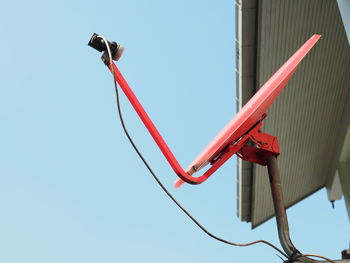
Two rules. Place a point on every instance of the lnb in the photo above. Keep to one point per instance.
(98, 43)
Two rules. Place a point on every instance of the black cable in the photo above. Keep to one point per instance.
(164, 188)
(155, 176)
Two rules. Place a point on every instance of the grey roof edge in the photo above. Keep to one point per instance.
(246, 41)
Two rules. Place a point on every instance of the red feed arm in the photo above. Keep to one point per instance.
(153, 130)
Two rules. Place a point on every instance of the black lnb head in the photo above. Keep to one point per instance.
(99, 44)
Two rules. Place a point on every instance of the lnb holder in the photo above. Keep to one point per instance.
(98, 43)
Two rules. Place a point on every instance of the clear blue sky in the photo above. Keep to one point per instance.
(71, 187)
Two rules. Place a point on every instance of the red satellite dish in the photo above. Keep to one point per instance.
(234, 136)
(255, 108)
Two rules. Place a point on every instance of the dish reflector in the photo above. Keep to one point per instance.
(253, 110)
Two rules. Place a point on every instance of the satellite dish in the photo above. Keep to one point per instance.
(233, 138)
(254, 109)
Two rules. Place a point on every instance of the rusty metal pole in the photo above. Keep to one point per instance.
(281, 216)
(280, 211)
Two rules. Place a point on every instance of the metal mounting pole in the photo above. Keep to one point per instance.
(281, 215)
(280, 211)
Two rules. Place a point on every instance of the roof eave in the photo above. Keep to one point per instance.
(246, 41)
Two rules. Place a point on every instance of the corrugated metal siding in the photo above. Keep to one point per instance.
(306, 116)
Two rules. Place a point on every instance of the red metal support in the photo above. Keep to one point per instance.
(267, 147)
(153, 130)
